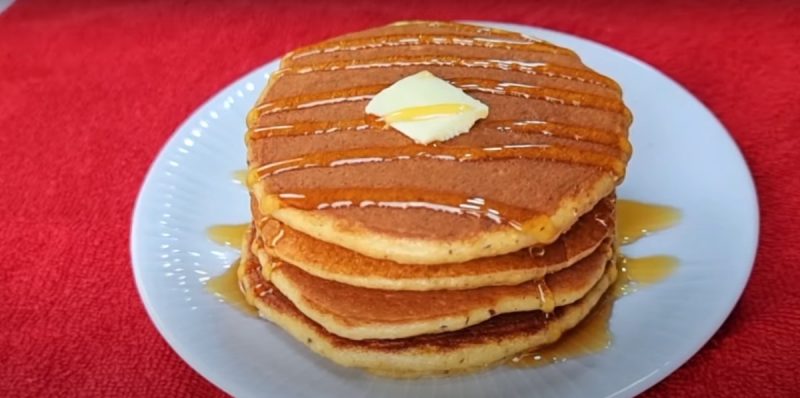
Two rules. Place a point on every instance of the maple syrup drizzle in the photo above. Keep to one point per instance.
(592, 335)
(490, 86)
(399, 198)
(226, 287)
(315, 128)
(458, 27)
(445, 153)
(530, 68)
(559, 130)
(403, 40)
(227, 234)
(523, 219)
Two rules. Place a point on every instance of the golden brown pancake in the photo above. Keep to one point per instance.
(335, 263)
(312, 115)
(472, 348)
(359, 313)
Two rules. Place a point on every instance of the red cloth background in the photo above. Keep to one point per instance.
(90, 91)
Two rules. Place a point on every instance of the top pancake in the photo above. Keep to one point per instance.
(312, 114)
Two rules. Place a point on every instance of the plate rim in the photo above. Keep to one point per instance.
(208, 372)
(183, 352)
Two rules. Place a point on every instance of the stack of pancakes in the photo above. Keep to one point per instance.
(411, 260)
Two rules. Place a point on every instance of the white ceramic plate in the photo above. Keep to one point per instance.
(683, 157)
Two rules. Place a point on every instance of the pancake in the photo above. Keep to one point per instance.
(473, 348)
(335, 263)
(358, 313)
(309, 138)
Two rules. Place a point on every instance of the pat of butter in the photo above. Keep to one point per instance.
(426, 108)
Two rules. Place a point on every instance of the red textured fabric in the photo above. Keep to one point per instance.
(90, 91)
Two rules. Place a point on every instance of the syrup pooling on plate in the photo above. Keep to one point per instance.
(240, 176)
(227, 234)
(637, 219)
(226, 287)
(643, 271)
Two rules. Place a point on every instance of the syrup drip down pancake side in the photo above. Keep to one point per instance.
(553, 144)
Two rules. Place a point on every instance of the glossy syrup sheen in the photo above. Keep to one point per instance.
(636, 219)
(532, 68)
(517, 217)
(560, 130)
(361, 93)
(398, 40)
(240, 176)
(400, 198)
(226, 287)
(227, 234)
(591, 336)
(643, 271)
(446, 153)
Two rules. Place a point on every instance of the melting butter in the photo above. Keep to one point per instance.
(425, 112)
(426, 108)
